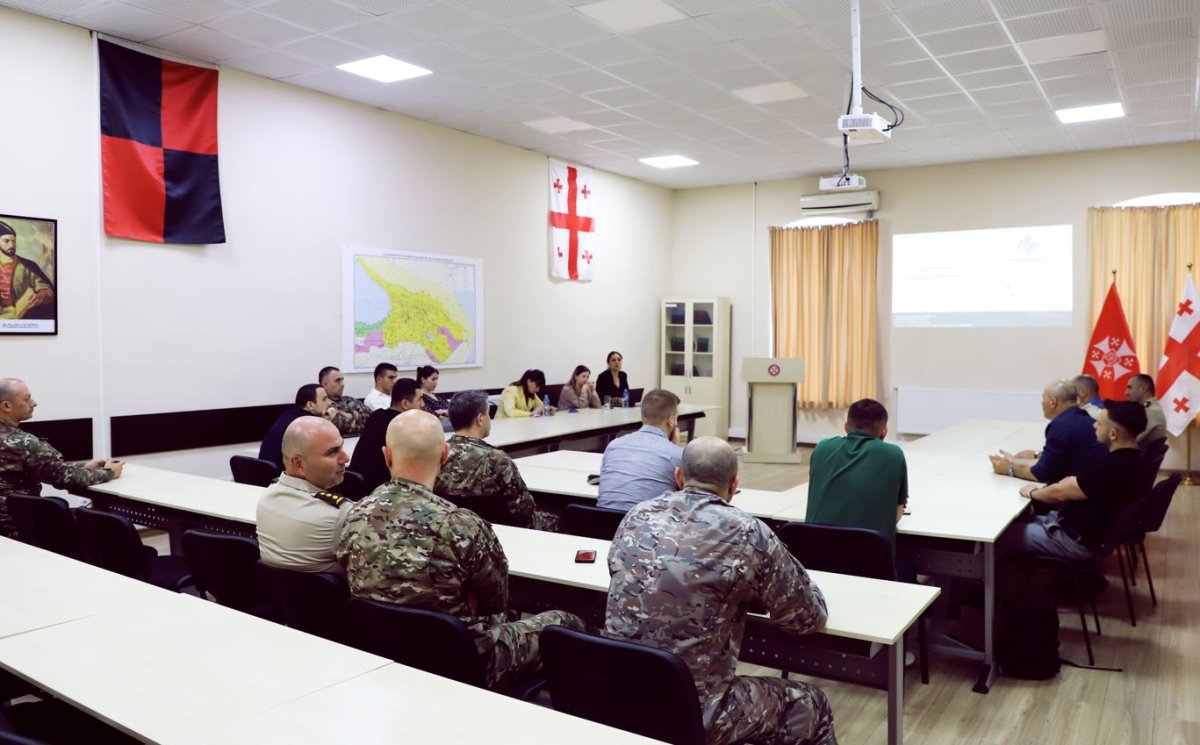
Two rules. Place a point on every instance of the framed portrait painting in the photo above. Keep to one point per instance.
(28, 275)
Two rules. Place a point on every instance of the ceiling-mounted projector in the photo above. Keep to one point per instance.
(865, 128)
(842, 182)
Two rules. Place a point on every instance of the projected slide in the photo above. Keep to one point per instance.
(998, 278)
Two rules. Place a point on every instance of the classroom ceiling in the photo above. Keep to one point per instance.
(976, 79)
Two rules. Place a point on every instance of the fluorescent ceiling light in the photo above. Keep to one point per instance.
(1091, 113)
(627, 15)
(771, 92)
(557, 125)
(1062, 47)
(669, 161)
(385, 69)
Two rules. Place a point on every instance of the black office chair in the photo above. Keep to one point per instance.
(253, 471)
(488, 508)
(591, 522)
(113, 544)
(856, 551)
(633, 687)
(313, 602)
(432, 641)
(46, 522)
(353, 486)
(1153, 455)
(223, 566)
(1154, 511)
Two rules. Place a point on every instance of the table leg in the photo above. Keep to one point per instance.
(988, 675)
(896, 693)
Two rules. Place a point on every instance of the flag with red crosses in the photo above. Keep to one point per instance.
(572, 227)
(158, 145)
(1111, 358)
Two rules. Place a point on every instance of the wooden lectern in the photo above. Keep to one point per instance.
(771, 434)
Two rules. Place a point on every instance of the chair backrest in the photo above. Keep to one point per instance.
(223, 566)
(629, 686)
(831, 548)
(1155, 509)
(489, 508)
(253, 471)
(1153, 455)
(12, 738)
(591, 522)
(113, 543)
(46, 522)
(353, 486)
(428, 640)
(1126, 526)
(312, 602)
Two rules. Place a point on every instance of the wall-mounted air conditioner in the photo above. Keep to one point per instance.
(839, 202)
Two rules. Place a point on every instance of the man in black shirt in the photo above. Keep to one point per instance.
(368, 453)
(1084, 505)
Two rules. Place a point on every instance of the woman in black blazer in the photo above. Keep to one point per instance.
(612, 382)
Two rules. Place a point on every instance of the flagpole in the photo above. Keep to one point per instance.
(1187, 476)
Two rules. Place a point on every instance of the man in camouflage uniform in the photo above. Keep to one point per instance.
(477, 471)
(685, 569)
(404, 544)
(27, 461)
(350, 413)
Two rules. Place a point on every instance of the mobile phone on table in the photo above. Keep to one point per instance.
(585, 556)
(594, 479)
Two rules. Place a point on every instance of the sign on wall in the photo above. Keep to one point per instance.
(410, 309)
(28, 275)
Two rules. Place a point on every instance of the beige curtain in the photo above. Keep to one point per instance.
(1150, 249)
(824, 289)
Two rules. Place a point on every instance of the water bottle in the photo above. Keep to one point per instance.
(546, 404)
(625, 399)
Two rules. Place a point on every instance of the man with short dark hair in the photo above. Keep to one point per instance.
(349, 414)
(641, 465)
(1140, 389)
(403, 544)
(298, 518)
(475, 470)
(380, 396)
(685, 569)
(1089, 395)
(311, 400)
(368, 453)
(1083, 506)
(859, 481)
(1070, 446)
(27, 461)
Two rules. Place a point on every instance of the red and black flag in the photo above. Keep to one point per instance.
(158, 141)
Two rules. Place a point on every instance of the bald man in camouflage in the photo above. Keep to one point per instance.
(403, 544)
(685, 568)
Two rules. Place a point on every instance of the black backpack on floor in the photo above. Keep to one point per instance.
(1027, 646)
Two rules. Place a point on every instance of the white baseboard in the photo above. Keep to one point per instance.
(802, 438)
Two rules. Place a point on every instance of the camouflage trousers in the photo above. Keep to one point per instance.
(771, 711)
(511, 649)
(547, 521)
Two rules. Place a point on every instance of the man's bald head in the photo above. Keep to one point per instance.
(16, 402)
(312, 450)
(709, 463)
(1058, 396)
(416, 447)
(9, 387)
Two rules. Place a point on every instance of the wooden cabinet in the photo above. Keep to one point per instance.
(695, 357)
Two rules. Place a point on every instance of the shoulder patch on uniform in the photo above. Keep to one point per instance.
(329, 498)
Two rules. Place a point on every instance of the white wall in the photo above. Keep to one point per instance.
(1002, 193)
(302, 175)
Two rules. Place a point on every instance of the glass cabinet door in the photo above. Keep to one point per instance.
(675, 339)
(703, 316)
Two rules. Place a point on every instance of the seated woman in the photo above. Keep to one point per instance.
(579, 392)
(612, 382)
(427, 379)
(523, 398)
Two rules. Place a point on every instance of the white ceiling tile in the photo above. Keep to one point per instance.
(495, 43)
(570, 106)
(271, 64)
(609, 50)
(334, 81)
(1021, 110)
(644, 71)
(532, 91)
(586, 81)
(1136, 11)
(902, 73)
(892, 52)
(48, 8)
(205, 44)
(1153, 34)
(820, 11)
(657, 111)
(943, 16)
(1157, 73)
(622, 97)
(1062, 23)
(325, 51)
(490, 73)
(319, 15)
(380, 36)
(974, 81)
(437, 20)
(946, 102)
(1007, 94)
(1084, 64)
(1159, 91)
(748, 22)
(1099, 82)
(922, 89)
(1053, 48)
(545, 63)
(966, 39)
(710, 59)
(196, 11)
(436, 56)
(788, 45)
(259, 28)
(563, 29)
(676, 36)
(505, 11)
(126, 21)
(987, 59)
(743, 77)
(704, 7)
(1180, 51)
(381, 7)
(605, 117)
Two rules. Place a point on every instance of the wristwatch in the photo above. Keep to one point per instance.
(1010, 470)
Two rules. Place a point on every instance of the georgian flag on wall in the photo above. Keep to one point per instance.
(1178, 383)
(572, 227)
(158, 145)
